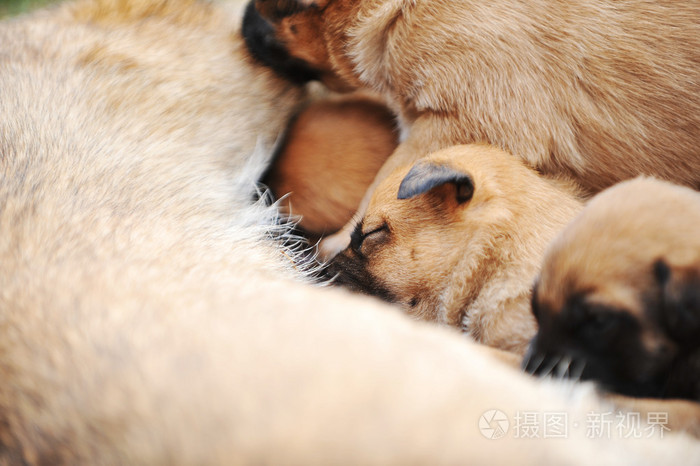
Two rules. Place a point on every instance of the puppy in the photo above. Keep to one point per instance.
(618, 296)
(332, 152)
(458, 239)
(600, 91)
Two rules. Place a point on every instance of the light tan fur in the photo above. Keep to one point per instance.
(599, 90)
(146, 315)
(468, 265)
(636, 223)
(333, 150)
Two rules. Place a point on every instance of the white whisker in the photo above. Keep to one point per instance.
(550, 367)
(540, 359)
(562, 367)
(581, 363)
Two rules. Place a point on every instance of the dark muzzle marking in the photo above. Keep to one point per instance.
(263, 45)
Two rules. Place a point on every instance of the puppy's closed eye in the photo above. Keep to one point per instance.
(363, 243)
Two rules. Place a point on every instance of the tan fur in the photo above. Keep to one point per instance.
(471, 266)
(598, 90)
(636, 223)
(146, 315)
(332, 152)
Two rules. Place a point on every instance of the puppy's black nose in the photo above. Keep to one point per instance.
(263, 45)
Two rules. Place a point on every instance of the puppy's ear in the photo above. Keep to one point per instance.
(680, 289)
(426, 176)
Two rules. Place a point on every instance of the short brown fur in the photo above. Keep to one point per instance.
(333, 150)
(467, 265)
(599, 90)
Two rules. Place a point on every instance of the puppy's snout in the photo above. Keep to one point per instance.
(259, 36)
(329, 273)
(350, 271)
(338, 273)
(261, 40)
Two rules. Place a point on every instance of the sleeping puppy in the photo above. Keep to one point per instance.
(600, 91)
(331, 153)
(458, 239)
(618, 297)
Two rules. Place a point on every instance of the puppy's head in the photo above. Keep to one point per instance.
(617, 298)
(290, 36)
(408, 241)
(456, 239)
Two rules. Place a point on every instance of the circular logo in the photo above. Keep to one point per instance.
(494, 424)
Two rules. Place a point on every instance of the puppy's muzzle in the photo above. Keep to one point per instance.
(263, 45)
(350, 272)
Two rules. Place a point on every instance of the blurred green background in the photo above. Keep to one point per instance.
(13, 7)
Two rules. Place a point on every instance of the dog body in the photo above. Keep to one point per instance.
(331, 153)
(619, 293)
(597, 90)
(148, 315)
(458, 239)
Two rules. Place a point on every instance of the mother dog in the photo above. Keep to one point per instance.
(599, 90)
